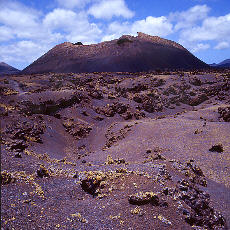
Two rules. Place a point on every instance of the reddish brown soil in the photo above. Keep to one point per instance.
(76, 147)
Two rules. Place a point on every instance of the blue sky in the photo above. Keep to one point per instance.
(29, 28)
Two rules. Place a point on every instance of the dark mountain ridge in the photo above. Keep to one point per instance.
(7, 69)
(223, 64)
(126, 54)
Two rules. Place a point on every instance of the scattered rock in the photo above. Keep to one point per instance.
(127, 115)
(18, 155)
(198, 99)
(137, 211)
(196, 169)
(76, 129)
(7, 178)
(92, 182)
(196, 81)
(42, 172)
(96, 94)
(85, 113)
(109, 160)
(217, 148)
(144, 198)
(224, 113)
(98, 118)
(137, 99)
(202, 214)
(19, 146)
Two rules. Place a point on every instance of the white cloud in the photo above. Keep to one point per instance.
(60, 18)
(199, 47)
(16, 15)
(196, 28)
(28, 34)
(75, 25)
(153, 25)
(108, 8)
(157, 26)
(222, 45)
(22, 52)
(194, 46)
(21, 22)
(188, 18)
(212, 28)
(6, 33)
(70, 4)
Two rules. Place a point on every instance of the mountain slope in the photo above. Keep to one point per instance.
(223, 64)
(7, 69)
(128, 53)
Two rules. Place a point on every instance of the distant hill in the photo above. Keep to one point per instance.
(7, 69)
(223, 64)
(126, 54)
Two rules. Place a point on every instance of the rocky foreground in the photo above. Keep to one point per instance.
(115, 151)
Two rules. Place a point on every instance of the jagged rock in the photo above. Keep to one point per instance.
(6, 178)
(77, 130)
(158, 156)
(18, 155)
(98, 118)
(138, 115)
(196, 169)
(127, 115)
(137, 99)
(96, 94)
(92, 183)
(123, 39)
(42, 172)
(108, 110)
(144, 198)
(196, 81)
(78, 44)
(185, 98)
(19, 145)
(90, 186)
(120, 108)
(224, 113)
(119, 161)
(217, 148)
(22, 132)
(202, 214)
(198, 100)
(49, 107)
(148, 105)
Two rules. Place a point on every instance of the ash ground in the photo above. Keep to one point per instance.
(115, 151)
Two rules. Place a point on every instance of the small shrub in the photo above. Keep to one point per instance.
(78, 44)
(121, 41)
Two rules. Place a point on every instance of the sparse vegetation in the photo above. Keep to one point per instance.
(77, 154)
(78, 43)
(122, 41)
